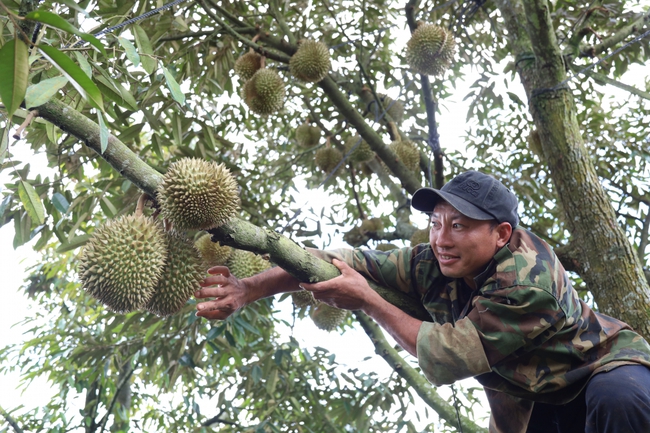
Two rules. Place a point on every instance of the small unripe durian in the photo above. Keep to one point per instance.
(327, 317)
(247, 65)
(327, 158)
(196, 194)
(355, 237)
(420, 237)
(361, 153)
(408, 153)
(212, 253)
(311, 62)
(244, 264)
(393, 108)
(180, 279)
(430, 49)
(303, 298)
(123, 261)
(308, 135)
(372, 225)
(264, 92)
(386, 247)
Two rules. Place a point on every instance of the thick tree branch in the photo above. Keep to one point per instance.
(12, 422)
(415, 379)
(636, 26)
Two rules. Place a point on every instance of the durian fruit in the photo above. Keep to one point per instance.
(327, 158)
(430, 49)
(372, 225)
(196, 194)
(311, 62)
(535, 143)
(303, 298)
(327, 317)
(386, 247)
(393, 108)
(420, 237)
(123, 261)
(407, 152)
(361, 153)
(355, 237)
(212, 253)
(264, 92)
(180, 279)
(244, 264)
(308, 135)
(248, 64)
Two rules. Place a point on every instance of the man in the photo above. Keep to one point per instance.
(504, 312)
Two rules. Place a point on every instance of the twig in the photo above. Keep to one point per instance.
(28, 119)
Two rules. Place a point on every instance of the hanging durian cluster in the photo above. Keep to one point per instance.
(372, 225)
(264, 92)
(394, 108)
(361, 153)
(311, 62)
(407, 152)
(196, 194)
(430, 49)
(420, 236)
(247, 65)
(303, 299)
(327, 158)
(327, 317)
(212, 253)
(244, 264)
(308, 135)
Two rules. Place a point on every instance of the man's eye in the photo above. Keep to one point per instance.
(457, 226)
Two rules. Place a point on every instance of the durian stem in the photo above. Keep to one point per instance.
(263, 62)
(142, 201)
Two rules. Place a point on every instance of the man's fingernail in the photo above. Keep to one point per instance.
(200, 307)
(300, 285)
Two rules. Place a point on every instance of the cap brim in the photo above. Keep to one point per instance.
(425, 199)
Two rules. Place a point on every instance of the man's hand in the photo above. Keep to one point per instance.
(229, 292)
(349, 291)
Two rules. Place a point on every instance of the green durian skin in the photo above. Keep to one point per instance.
(308, 135)
(196, 194)
(362, 153)
(212, 253)
(386, 247)
(244, 264)
(394, 109)
(408, 153)
(123, 261)
(246, 66)
(327, 158)
(303, 298)
(311, 62)
(372, 225)
(326, 317)
(264, 92)
(420, 236)
(180, 278)
(430, 50)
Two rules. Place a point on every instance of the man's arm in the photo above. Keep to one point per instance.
(232, 294)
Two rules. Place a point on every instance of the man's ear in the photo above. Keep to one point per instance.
(504, 231)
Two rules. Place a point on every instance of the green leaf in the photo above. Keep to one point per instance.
(39, 94)
(117, 93)
(142, 41)
(75, 75)
(22, 225)
(103, 132)
(75, 242)
(31, 202)
(4, 145)
(5, 204)
(173, 86)
(83, 63)
(60, 202)
(131, 52)
(14, 69)
(52, 19)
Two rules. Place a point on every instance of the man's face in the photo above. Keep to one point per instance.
(464, 246)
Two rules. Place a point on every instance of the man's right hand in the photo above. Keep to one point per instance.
(230, 294)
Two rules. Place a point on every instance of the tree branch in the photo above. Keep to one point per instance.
(12, 422)
(634, 27)
(415, 379)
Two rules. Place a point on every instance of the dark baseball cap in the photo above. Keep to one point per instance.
(475, 195)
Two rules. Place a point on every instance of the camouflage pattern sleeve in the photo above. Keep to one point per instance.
(449, 353)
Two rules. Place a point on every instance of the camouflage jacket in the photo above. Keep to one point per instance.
(524, 334)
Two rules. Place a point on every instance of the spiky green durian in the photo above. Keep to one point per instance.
(430, 49)
(372, 225)
(212, 253)
(308, 135)
(327, 158)
(327, 317)
(123, 261)
(355, 237)
(180, 278)
(311, 62)
(244, 264)
(303, 298)
(198, 195)
(408, 153)
(264, 92)
(247, 65)
(385, 247)
(420, 237)
(361, 153)
(393, 108)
